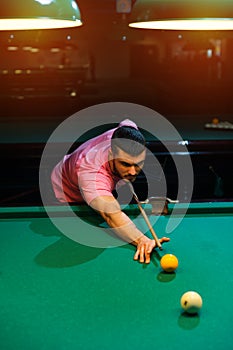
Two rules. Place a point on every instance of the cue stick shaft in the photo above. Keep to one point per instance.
(148, 223)
(144, 215)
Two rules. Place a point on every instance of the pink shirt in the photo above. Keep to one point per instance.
(85, 174)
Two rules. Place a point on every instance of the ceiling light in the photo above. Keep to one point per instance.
(39, 14)
(182, 14)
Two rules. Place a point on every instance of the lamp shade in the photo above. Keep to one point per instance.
(182, 14)
(38, 14)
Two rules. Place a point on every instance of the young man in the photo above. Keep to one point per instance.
(91, 173)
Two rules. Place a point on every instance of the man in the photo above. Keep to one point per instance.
(90, 174)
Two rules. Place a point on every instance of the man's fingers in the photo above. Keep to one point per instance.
(164, 239)
(136, 255)
(147, 257)
(142, 254)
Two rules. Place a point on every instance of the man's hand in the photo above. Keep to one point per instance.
(110, 210)
(144, 248)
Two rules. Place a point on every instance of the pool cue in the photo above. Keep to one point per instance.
(144, 215)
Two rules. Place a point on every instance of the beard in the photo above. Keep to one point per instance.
(131, 178)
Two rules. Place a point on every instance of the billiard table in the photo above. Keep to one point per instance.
(57, 293)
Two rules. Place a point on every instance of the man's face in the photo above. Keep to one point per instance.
(126, 166)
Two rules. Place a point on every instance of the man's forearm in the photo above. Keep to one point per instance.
(121, 224)
(123, 227)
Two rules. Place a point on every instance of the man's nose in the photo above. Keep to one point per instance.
(132, 170)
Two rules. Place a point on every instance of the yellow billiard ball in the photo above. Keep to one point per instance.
(169, 262)
(191, 302)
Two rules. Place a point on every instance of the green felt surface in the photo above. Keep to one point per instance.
(59, 294)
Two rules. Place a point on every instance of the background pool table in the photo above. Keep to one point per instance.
(59, 294)
(211, 153)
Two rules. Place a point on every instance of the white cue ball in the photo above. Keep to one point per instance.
(191, 302)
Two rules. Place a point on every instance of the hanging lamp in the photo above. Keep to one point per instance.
(182, 14)
(38, 14)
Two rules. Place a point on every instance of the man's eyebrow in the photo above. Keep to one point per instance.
(131, 164)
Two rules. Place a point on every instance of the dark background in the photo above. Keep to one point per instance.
(104, 60)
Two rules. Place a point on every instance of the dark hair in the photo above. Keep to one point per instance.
(128, 139)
